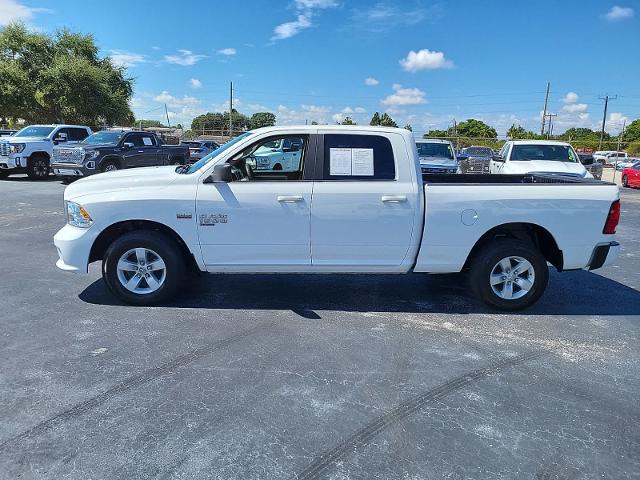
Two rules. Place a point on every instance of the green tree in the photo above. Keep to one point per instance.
(148, 123)
(437, 134)
(262, 119)
(473, 128)
(60, 78)
(218, 123)
(632, 132)
(408, 127)
(387, 121)
(348, 121)
(375, 120)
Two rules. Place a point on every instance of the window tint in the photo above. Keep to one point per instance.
(358, 157)
(77, 134)
(140, 140)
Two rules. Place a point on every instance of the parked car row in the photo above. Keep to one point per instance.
(75, 151)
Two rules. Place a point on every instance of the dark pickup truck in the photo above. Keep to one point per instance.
(110, 150)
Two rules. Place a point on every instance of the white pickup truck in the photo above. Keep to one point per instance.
(538, 156)
(358, 203)
(29, 150)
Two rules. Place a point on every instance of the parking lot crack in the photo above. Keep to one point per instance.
(367, 433)
(129, 384)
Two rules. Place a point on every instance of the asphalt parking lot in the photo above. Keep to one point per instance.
(309, 377)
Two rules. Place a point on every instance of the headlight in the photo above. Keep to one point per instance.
(91, 154)
(78, 216)
(17, 147)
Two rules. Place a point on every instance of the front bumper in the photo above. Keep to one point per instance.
(74, 246)
(73, 169)
(11, 162)
(604, 254)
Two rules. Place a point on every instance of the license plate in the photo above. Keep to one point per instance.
(66, 171)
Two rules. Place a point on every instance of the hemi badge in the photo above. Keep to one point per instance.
(183, 215)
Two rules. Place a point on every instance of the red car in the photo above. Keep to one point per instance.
(631, 176)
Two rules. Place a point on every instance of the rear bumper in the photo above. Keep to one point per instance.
(603, 255)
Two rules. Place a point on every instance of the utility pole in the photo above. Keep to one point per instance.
(230, 109)
(550, 126)
(615, 167)
(606, 99)
(166, 112)
(544, 112)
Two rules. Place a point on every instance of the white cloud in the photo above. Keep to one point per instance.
(616, 119)
(155, 47)
(12, 11)
(347, 110)
(360, 110)
(575, 108)
(315, 108)
(184, 58)
(619, 13)
(174, 102)
(338, 117)
(404, 96)
(136, 102)
(121, 58)
(195, 83)
(571, 97)
(305, 10)
(371, 82)
(425, 59)
(383, 16)
(227, 51)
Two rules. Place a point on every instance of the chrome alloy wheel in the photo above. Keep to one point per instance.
(141, 271)
(512, 278)
(110, 168)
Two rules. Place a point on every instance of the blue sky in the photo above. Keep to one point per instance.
(425, 63)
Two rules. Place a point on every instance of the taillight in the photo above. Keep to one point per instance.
(612, 219)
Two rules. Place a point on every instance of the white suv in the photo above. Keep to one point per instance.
(609, 157)
(30, 149)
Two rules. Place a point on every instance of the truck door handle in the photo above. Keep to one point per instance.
(290, 198)
(140, 151)
(394, 198)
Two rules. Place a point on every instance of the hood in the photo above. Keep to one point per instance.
(438, 162)
(544, 166)
(120, 180)
(86, 146)
(23, 139)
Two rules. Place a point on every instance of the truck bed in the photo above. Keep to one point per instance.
(493, 179)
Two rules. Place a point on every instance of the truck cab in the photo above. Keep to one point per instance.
(29, 150)
(437, 156)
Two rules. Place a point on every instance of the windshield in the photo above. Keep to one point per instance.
(434, 150)
(34, 132)
(204, 160)
(485, 152)
(552, 153)
(99, 138)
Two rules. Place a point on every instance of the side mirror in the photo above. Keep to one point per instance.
(127, 145)
(497, 158)
(222, 174)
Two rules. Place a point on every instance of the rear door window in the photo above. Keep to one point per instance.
(357, 157)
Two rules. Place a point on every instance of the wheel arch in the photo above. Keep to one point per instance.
(112, 232)
(39, 153)
(539, 236)
(110, 158)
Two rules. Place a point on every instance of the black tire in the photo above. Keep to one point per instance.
(38, 167)
(4, 174)
(108, 166)
(176, 161)
(485, 262)
(625, 181)
(277, 167)
(156, 243)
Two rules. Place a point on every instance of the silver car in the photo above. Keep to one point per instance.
(200, 148)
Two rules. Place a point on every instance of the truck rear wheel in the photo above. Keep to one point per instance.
(38, 167)
(143, 267)
(3, 174)
(509, 274)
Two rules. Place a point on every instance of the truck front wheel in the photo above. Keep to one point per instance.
(143, 267)
(509, 274)
(38, 167)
